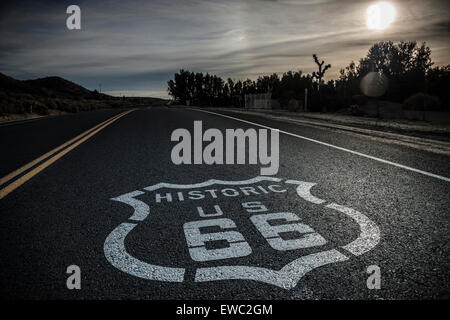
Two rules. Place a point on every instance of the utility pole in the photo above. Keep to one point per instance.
(306, 99)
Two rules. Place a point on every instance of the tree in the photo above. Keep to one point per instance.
(437, 84)
(405, 64)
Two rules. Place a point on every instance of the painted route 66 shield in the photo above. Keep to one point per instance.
(264, 229)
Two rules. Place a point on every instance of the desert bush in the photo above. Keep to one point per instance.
(41, 109)
(422, 101)
(26, 104)
(115, 104)
(355, 110)
(51, 104)
(3, 97)
(63, 105)
(7, 107)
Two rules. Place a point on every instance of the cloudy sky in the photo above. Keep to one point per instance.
(134, 47)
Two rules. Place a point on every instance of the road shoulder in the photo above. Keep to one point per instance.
(420, 136)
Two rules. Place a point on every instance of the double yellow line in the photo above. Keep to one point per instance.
(55, 154)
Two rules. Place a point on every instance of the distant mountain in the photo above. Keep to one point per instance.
(55, 93)
(59, 87)
(49, 87)
(9, 84)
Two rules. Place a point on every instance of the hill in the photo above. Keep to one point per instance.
(55, 93)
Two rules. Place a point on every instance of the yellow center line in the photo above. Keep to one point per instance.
(14, 185)
(15, 173)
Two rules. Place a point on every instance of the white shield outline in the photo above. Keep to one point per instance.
(287, 277)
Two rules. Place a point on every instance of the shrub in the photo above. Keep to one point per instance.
(63, 105)
(51, 104)
(354, 110)
(26, 105)
(41, 109)
(422, 101)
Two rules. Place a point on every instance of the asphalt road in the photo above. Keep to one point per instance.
(391, 217)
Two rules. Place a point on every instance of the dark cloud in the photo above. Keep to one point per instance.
(137, 46)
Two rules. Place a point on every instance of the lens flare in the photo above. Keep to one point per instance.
(374, 84)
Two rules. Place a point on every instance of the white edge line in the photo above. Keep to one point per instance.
(335, 147)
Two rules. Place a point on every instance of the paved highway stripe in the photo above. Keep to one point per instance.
(84, 136)
(15, 173)
(332, 146)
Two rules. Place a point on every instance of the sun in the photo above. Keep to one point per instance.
(380, 15)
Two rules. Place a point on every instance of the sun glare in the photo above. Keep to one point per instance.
(380, 15)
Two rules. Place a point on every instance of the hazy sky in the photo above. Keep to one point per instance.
(134, 47)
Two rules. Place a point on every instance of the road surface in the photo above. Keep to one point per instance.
(97, 202)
